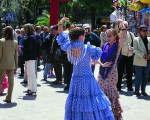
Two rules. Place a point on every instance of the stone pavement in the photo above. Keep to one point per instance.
(50, 102)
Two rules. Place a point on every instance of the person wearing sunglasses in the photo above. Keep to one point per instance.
(141, 58)
(126, 60)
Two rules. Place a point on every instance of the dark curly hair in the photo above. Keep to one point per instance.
(75, 33)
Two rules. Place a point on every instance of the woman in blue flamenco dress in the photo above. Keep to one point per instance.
(85, 100)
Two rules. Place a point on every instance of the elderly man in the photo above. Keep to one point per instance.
(126, 60)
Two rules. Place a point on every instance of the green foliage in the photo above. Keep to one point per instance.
(101, 5)
(123, 3)
(43, 20)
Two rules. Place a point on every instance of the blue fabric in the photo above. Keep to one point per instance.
(47, 68)
(141, 76)
(21, 40)
(20, 52)
(85, 100)
(109, 55)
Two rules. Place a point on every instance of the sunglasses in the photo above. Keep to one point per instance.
(123, 29)
(144, 30)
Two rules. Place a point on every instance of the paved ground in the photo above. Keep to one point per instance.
(50, 101)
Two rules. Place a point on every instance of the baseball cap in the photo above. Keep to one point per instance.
(86, 26)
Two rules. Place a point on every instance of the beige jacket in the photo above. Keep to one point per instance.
(140, 51)
(8, 54)
(127, 43)
(103, 38)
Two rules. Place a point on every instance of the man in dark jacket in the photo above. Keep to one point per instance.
(92, 38)
(52, 58)
(43, 36)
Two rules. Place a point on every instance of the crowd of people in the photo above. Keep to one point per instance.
(69, 53)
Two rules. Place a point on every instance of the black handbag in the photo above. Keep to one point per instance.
(58, 54)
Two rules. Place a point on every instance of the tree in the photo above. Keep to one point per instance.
(23, 9)
(43, 20)
(92, 5)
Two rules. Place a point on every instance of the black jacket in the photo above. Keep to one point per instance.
(43, 36)
(53, 48)
(30, 48)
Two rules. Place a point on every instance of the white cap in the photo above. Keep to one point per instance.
(86, 26)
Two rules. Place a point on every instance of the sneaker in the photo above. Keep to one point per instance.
(144, 94)
(137, 93)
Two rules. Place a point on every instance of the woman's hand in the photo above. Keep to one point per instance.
(60, 23)
(63, 19)
(95, 62)
(106, 64)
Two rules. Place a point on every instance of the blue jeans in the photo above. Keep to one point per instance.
(48, 66)
(141, 76)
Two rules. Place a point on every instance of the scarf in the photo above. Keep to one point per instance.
(108, 55)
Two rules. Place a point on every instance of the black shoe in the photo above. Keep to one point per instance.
(44, 79)
(66, 87)
(27, 91)
(31, 93)
(7, 101)
(21, 75)
(56, 82)
(23, 82)
(137, 93)
(130, 89)
(144, 94)
(38, 69)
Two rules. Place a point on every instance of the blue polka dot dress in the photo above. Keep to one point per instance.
(85, 100)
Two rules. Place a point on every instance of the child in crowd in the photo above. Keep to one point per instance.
(4, 85)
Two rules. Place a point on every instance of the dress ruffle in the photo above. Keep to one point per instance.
(86, 101)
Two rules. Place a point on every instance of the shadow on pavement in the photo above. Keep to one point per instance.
(126, 93)
(57, 85)
(25, 85)
(8, 105)
(28, 97)
(144, 98)
(64, 91)
(46, 82)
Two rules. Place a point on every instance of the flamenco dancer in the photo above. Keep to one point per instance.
(85, 100)
(108, 74)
